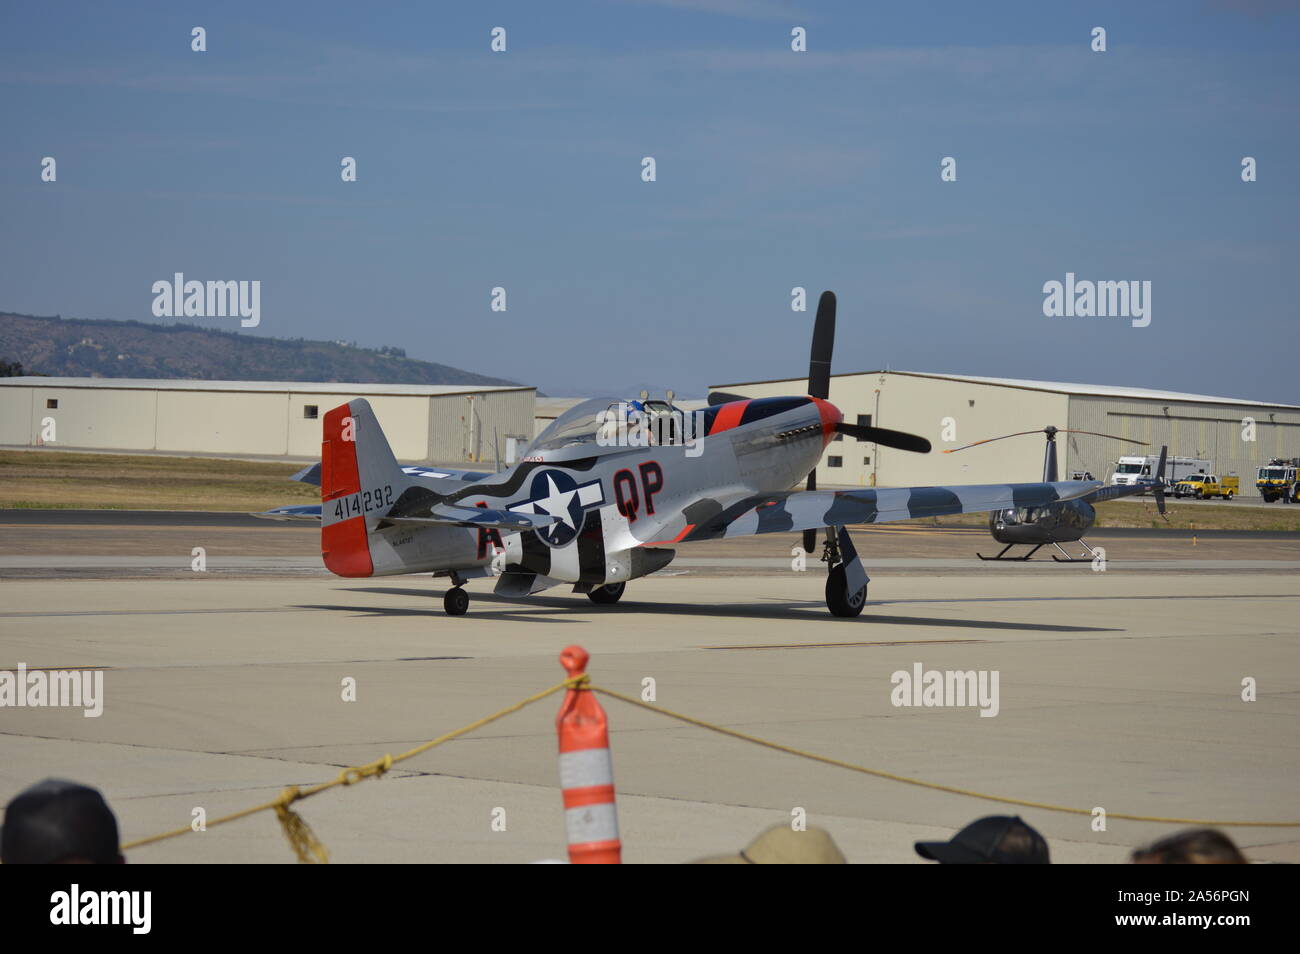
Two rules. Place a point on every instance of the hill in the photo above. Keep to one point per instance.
(80, 347)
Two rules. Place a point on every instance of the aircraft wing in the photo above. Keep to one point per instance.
(810, 509)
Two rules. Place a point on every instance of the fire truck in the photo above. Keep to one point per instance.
(1277, 480)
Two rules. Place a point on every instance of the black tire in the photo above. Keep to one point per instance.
(606, 595)
(838, 600)
(455, 601)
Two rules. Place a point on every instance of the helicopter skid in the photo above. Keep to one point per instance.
(1007, 559)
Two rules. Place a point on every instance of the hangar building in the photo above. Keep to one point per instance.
(424, 422)
(974, 408)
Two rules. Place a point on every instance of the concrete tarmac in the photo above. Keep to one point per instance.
(1120, 690)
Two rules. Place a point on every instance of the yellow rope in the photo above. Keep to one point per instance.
(907, 780)
(298, 832)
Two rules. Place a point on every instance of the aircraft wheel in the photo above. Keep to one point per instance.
(455, 601)
(607, 594)
(838, 600)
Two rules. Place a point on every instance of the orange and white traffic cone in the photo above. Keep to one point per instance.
(586, 771)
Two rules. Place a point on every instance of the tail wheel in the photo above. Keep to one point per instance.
(455, 601)
(838, 600)
(607, 594)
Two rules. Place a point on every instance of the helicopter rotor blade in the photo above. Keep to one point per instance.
(990, 440)
(1043, 430)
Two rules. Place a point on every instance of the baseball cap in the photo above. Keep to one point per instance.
(55, 821)
(992, 840)
(782, 845)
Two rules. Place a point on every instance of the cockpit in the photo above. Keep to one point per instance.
(610, 422)
(1068, 513)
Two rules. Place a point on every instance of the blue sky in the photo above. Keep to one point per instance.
(775, 169)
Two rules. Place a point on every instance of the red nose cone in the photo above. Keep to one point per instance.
(830, 417)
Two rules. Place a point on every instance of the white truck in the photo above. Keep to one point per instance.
(1129, 470)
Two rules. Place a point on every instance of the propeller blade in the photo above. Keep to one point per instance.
(810, 536)
(1159, 489)
(882, 435)
(823, 343)
(724, 397)
(819, 378)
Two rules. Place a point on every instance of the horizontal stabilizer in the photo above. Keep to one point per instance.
(310, 512)
(311, 474)
(308, 475)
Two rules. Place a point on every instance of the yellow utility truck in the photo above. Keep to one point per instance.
(1205, 486)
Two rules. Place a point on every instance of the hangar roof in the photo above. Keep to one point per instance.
(1101, 390)
(291, 387)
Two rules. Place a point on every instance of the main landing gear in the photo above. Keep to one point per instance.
(846, 581)
(1090, 558)
(838, 598)
(455, 601)
(1092, 554)
(1003, 551)
(606, 595)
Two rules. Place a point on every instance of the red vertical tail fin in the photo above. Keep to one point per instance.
(343, 535)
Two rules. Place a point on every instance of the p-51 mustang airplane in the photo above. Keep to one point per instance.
(589, 508)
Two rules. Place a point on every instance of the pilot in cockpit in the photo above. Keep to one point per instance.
(639, 423)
